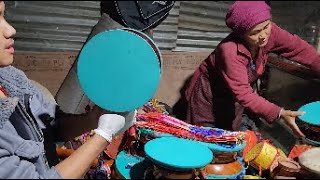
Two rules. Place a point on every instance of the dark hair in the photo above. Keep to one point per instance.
(105, 6)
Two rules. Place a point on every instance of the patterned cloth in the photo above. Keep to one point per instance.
(102, 169)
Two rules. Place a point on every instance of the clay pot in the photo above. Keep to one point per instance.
(224, 169)
(224, 163)
(161, 172)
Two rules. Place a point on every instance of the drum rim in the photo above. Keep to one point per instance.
(144, 36)
(151, 43)
(311, 141)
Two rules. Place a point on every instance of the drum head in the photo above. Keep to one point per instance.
(310, 160)
(178, 153)
(119, 70)
(312, 115)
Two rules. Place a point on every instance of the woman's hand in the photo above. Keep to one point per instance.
(290, 119)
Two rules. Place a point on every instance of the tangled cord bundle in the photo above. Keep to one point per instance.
(163, 123)
(154, 105)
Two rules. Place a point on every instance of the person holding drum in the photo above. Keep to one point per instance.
(221, 88)
(143, 16)
(139, 16)
(23, 107)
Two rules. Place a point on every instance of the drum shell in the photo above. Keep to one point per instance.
(310, 122)
(286, 167)
(127, 166)
(312, 132)
(225, 165)
(227, 169)
(171, 173)
(115, 174)
(263, 155)
(309, 162)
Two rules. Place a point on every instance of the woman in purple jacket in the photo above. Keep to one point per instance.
(220, 88)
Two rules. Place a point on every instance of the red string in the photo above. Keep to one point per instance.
(179, 132)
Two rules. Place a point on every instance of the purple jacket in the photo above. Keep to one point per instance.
(221, 88)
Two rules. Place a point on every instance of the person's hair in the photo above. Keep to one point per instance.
(105, 7)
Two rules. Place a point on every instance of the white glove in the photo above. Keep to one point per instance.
(111, 125)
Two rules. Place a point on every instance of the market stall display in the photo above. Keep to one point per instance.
(162, 146)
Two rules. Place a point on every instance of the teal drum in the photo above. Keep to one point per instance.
(177, 158)
(129, 166)
(311, 122)
(119, 70)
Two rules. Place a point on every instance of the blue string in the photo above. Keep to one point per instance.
(206, 131)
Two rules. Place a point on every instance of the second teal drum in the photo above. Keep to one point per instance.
(178, 153)
(311, 122)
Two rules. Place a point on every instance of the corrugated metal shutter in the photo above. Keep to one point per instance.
(64, 25)
(201, 25)
(52, 25)
(191, 26)
(165, 35)
(297, 17)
